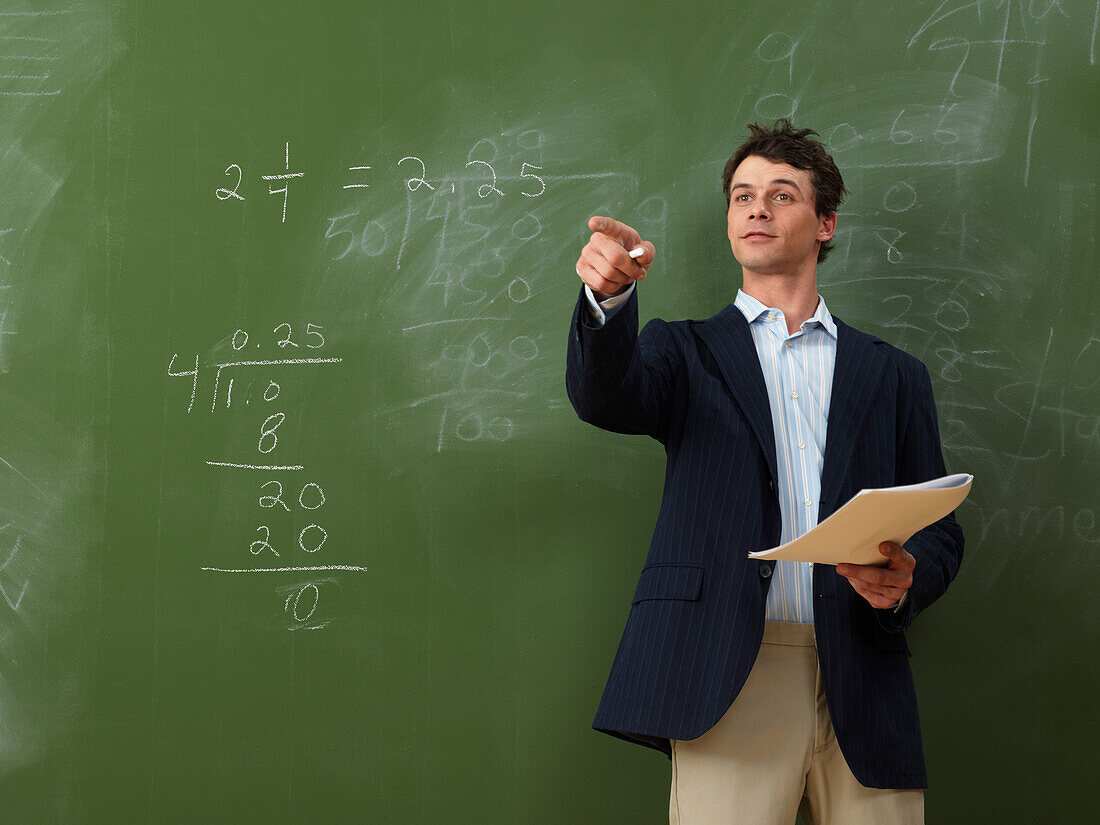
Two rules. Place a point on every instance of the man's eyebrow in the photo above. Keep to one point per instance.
(787, 181)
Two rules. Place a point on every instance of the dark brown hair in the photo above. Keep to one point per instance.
(782, 143)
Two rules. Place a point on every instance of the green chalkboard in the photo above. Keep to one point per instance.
(284, 287)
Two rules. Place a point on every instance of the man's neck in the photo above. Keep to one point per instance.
(796, 297)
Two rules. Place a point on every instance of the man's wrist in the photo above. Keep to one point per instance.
(603, 309)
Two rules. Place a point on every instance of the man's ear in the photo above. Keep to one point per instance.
(827, 228)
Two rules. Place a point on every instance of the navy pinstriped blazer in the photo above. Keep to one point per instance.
(697, 616)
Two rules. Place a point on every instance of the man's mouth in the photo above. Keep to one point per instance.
(757, 235)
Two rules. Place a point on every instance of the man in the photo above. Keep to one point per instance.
(773, 688)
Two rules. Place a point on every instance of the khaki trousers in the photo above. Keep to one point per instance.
(773, 754)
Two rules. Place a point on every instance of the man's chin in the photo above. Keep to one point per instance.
(762, 267)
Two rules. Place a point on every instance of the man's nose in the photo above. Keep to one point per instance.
(759, 211)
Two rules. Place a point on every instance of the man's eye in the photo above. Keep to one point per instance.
(783, 196)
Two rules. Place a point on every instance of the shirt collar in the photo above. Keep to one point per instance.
(754, 311)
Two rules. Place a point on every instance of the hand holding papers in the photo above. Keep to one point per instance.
(852, 534)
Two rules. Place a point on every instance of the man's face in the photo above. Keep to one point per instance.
(771, 223)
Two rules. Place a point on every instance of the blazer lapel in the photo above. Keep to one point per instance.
(856, 375)
(729, 340)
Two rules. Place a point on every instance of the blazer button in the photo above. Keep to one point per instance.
(765, 571)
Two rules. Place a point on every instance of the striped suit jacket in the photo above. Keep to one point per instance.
(697, 616)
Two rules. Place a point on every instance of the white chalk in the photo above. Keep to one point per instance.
(637, 253)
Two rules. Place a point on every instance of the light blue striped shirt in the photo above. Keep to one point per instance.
(798, 371)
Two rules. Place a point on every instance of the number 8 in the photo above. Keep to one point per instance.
(266, 431)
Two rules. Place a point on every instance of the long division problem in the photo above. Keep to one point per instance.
(289, 535)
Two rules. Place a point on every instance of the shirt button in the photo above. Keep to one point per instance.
(807, 502)
(802, 445)
(794, 394)
(789, 345)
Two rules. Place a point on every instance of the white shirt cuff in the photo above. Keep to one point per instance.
(602, 310)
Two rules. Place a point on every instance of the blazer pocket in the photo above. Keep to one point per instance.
(669, 581)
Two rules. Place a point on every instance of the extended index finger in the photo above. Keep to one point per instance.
(617, 230)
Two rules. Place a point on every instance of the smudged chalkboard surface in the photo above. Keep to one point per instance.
(297, 524)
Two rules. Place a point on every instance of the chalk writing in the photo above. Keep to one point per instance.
(12, 601)
(920, 150)
(778, 47)
(452, 238)
(28, 66)
(1092, 40)
(274, 545)
(301, 602)
(483, 177)
(224, 194)
(286, 177)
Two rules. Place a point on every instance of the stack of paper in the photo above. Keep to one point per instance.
(852, 534)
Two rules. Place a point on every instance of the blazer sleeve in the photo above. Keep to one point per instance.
(938, 548)
(617, 379)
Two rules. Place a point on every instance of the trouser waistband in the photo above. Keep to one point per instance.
(794, 634)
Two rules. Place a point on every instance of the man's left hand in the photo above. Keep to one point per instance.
(882, 586)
